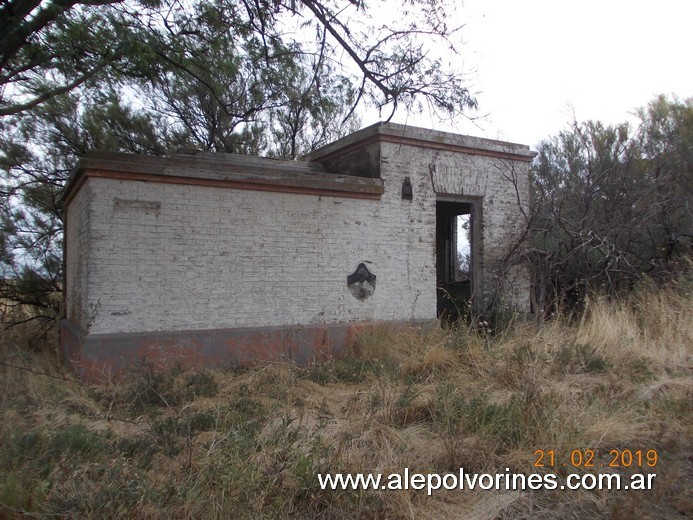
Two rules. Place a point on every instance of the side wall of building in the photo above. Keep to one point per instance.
(171, 257)
(77, 253)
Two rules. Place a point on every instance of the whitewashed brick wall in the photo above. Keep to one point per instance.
(175, 257)
(150, 256)
(496, 182)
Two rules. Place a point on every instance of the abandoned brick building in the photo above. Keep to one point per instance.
(212, 259)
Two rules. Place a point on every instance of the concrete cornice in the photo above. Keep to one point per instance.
(424, 138)
(222, 170)
(307, 176)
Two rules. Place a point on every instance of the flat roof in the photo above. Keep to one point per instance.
(294, 176)
(222, 170)
(424, 138)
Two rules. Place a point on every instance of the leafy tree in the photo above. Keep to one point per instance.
(276, 78)
(612, 204)
(51, 47)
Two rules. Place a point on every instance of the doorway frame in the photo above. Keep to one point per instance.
(477, 243)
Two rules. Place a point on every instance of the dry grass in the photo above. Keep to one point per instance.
(250, 444)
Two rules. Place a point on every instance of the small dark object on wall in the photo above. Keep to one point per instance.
(407, 192)
(361, 282)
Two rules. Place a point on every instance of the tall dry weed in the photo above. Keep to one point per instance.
(250, 444)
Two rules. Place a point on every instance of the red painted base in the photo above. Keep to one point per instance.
(99, 358)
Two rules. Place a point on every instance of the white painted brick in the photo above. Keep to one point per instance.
(213, 257)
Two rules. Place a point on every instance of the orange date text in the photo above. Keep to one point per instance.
(588, 458)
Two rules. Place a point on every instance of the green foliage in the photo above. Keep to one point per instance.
(348, 369)
(75, 440)
(167, 388)
(153, 390)
(200, 384)
(48, 49)
(141, 449)
(518, 420)
(612, 203)
(34, 458)
(580, 358)
(246, 415)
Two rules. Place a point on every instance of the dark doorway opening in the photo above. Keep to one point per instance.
(455, 258)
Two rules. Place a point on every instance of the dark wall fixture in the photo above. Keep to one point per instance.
(361, 282)
(407, 192)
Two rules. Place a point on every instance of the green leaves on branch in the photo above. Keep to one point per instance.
(612, 203)
(50, 48)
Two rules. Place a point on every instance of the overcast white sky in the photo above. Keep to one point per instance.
(532, 63)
